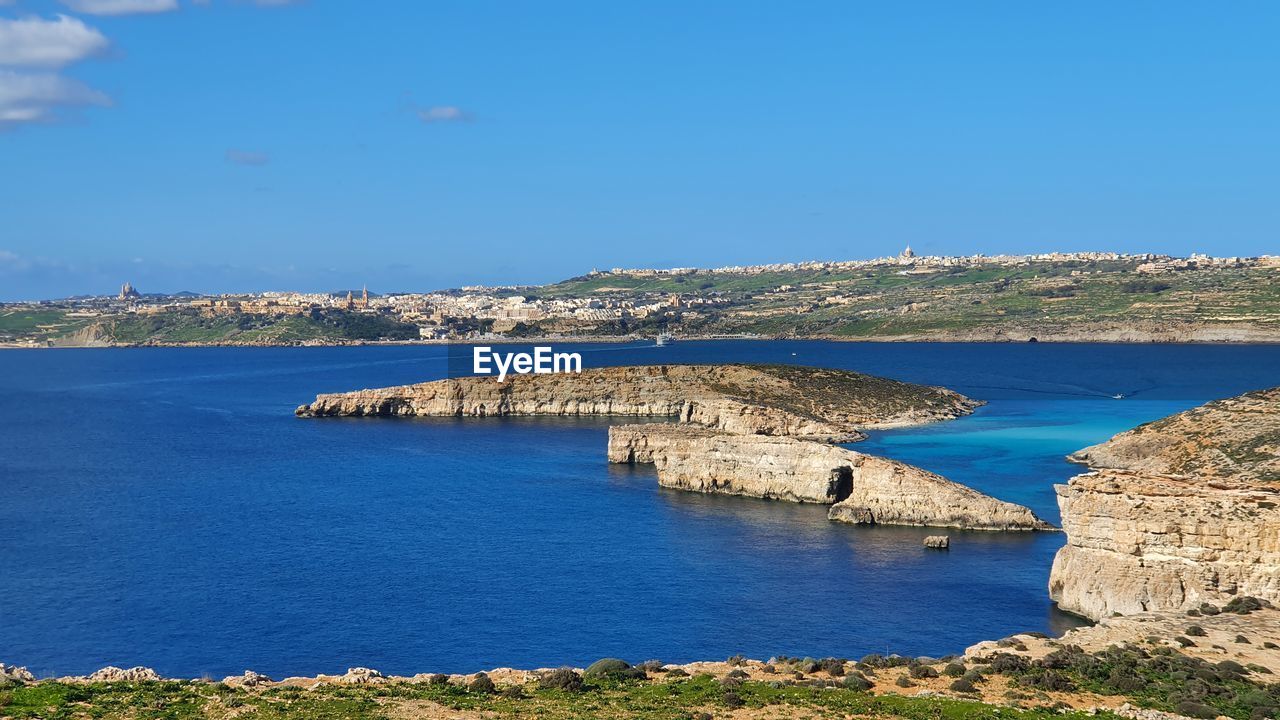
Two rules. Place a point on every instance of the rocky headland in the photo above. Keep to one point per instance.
(752, 430)
(1175, 513)
(861, 489)
(817, 403)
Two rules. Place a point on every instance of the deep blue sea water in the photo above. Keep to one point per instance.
(163, 507)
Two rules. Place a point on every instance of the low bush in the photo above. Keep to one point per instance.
(482, 684)
(904, 682)
(1006, 663)
(1196, 631)
(954, 670)
(832, 666)
(613, 669)
(962, 685)
(1245, 604)
(1196, 710)
(564, 678)
(857, 682)
(439, 679)
(921, 672)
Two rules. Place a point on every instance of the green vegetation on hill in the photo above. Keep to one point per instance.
(37, 323)
(196, 327)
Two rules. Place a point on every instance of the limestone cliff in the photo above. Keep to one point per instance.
(1175, 513)
(744, 399)
(861, 488)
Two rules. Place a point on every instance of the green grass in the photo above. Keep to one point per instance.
(676, 700)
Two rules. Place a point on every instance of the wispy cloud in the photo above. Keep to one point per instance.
(444, 114)
(36, 97)
(121, 7)
(248, 157)
(36, 42)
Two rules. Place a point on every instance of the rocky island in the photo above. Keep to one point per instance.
(785, 400)
(754, 430)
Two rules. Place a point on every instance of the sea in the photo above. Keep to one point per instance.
(164, 507)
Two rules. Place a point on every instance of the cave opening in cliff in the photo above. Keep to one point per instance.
(842, 482)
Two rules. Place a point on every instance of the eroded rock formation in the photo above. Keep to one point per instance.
(752, 430)
(862, 489)
(779, 400)
(1175, 513)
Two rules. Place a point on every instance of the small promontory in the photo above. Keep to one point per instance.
(1175, 513)
(786, 400)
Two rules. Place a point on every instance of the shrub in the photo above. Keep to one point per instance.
(1196, 631)
(1208, 609)
(954, 670)
(482, 684)
(961, 685)
(737, 661)
(651, 666)
(904, 681)
(1254, 667)
(677, 672)
(973, 676)
(1242, 640)
(739, 674)
(857, 682)
(733, 699)
(1231, 667)
(1196, 710)
(832, 666)
(1051, 680)
(1144, 286)
(564, 678)
(1245, 604)
(1006, 663)
(439, 679)
(612, 668)
(1184, 642)
(768, 669)
(514, 692)
(921, 672)
(1270, 645)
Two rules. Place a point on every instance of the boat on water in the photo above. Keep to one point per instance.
(664, 339)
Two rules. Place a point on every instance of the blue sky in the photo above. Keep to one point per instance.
(247, 145)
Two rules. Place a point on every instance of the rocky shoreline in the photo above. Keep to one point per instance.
(760, 431)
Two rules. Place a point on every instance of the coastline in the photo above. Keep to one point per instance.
(998, 337)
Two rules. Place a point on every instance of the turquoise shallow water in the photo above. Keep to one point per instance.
(163, 507)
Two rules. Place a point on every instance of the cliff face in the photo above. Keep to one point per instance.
(862, 489)
(1175, 513)
(753, 430)
(745, 399)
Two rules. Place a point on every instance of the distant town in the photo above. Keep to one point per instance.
(907, 296)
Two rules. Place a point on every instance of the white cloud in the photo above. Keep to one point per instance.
(48, 43)
(248, 157)
(443, 113)
(121, 7)
(37, 97)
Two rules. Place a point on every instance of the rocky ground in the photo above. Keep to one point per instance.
(1124, 667)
